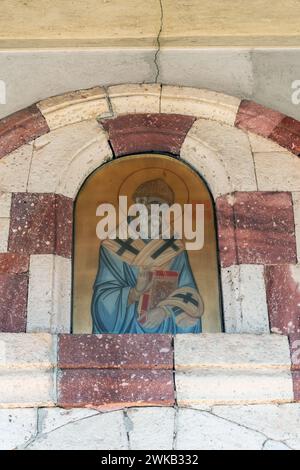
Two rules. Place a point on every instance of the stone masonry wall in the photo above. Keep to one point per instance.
(228, 384)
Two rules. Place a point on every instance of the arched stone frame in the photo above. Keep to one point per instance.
(63, 144)
(99, 175)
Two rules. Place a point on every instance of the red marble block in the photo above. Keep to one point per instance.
(283, 296)
(136, 133)
(32, 227)
(265, 228)
(256, 118)
(226, 231)
(20, 128)
(13, 263)
(287, 134)
(111, 388)
(41, 224)
(13, 302)
(115, 351)
(296, 383)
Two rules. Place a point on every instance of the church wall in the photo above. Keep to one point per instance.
(248, 155)
(261, 427)
(264, 75)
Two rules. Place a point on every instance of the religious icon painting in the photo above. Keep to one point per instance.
(145, 252)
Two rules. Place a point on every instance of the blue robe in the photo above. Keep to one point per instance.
(115, 278)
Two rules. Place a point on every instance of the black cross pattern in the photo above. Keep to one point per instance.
(167, 244)
(187, 298)
(125, 245)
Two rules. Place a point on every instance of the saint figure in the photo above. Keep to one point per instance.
(146, 285)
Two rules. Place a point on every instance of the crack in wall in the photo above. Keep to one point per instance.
(267, 438)
(129, 426)
(213, 412)
(109, 104)
(109, 115)
(253, 160)
(38, 435)
(243, 426)
(32, 439)
(30, 164)
(156, 56)
(275, 441)
(174, 445)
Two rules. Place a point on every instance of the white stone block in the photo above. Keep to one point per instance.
(277, 171)
(200, 103)
(208, 164)
(27, 389)
(74, 107)
(5, 205)
(27, 351)
(231, 351)
(233, 147)
(233, 386)
(51, 419)
(244, 299)
(198, 430)
(296, 204)
(17, 427)
(63, 158)
(260, 144)
(49, 296)
(151, 428)
(274, 445)
(101, 432)
(294, 444)
(276, 422)
(134, 98)
(232, 312)
(222, 155)
(62, 292)
(40, 293)
(255, 317)
(14, 169)
(4, 234)
(26, 370)
(85, 161)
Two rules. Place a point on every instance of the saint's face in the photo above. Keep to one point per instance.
(148, 202)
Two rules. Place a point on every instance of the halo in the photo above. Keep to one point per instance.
(179, 187)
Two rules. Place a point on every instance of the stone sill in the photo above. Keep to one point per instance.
(179, 42)
(116, 371)
(123, 24)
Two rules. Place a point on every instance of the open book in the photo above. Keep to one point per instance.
(163, 283)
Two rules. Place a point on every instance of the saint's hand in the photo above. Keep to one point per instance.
(143, 281)
(155, 317)
(142, 285)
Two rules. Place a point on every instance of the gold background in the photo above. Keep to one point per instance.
(122, 177)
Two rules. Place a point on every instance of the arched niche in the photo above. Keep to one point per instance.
(122, 177)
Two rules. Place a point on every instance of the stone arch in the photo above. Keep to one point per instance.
(53, 146)
(247, 154)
